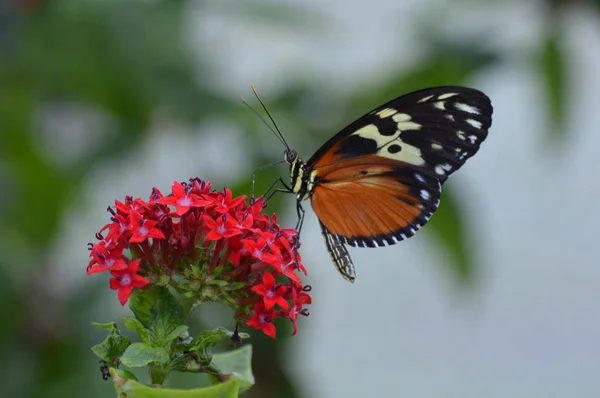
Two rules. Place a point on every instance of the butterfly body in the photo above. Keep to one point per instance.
(378, 180)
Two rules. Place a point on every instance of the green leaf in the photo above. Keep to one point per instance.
(141, 354)
(113, 346)
(175, 333)
(123, 373)
(166, 317)
(448, 227)
(553, 65)
(136, 326)
(141, 303)
(237, 364)
(132, 389)
(204, 343)
(112, 326)
(160, 312)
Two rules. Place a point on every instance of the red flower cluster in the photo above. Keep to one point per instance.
(210, 237)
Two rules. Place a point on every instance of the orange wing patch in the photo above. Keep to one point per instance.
(369, 201)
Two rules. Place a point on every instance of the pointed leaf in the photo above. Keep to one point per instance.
(141, 303)
(136, 326)
(175, 333)
(141, 354)
(113, 346)
(165, 317)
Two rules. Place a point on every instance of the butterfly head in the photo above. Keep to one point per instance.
(290, 156)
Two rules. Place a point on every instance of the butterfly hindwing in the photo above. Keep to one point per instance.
(372, 201)
(436, 129)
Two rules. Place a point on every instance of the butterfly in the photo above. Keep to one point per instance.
(379, 180)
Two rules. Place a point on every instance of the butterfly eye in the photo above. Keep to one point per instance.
(290, 155)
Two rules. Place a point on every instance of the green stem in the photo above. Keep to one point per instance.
(158, 374)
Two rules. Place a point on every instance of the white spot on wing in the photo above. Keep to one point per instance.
(472, 138)
(401, 117)
(475, 123)
(424, 194)
(461, 134)
(450, 117)
(446, 96)
(387, 112)
(446, 167)
(369, 131)
(420, 178)
(440, 105)
(409, 153)
(404, 122)
(435, 146)
(467, 108)
(439, 170)
(424, 99)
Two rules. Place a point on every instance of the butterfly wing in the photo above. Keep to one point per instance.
(436, 128)
(374, 201)
(379, 180)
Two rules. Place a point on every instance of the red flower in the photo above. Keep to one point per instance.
(103, 260)
(225, 202)
(258, 250)
(224, 227)
(143, 229)
(182, 199)
(272, 293)
(210, 239)
(126, 280)
(299, 298)
(263, 320)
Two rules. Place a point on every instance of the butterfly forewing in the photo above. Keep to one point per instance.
(437, 129)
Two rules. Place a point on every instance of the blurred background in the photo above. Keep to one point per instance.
(497, 297)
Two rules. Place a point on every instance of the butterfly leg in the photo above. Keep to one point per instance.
(339, 255)
(259, 169)
(300, 211)
(272, 190)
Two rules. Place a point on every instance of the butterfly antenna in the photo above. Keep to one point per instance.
(276, 133)
(270, 117)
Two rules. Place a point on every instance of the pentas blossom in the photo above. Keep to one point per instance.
(207, 245)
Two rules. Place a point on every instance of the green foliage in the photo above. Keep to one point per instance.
(126, 387)
(142, 354)
(447, 227)
(553, 71)
(167, 346)
(113, 346)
